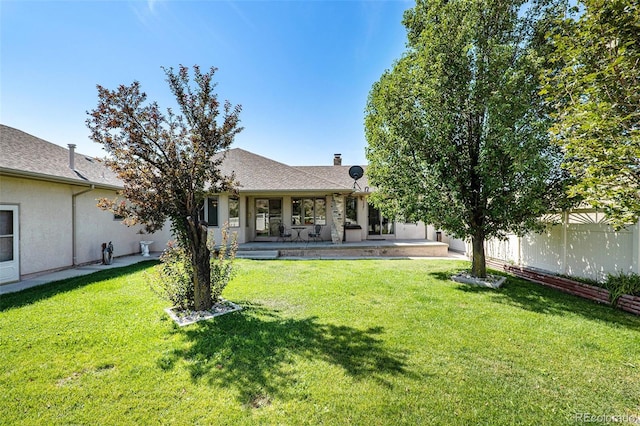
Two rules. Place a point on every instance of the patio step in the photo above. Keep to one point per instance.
(258, 254)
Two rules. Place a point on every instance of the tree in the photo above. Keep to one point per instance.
(593, 81)
(457, 132)
(167, 162)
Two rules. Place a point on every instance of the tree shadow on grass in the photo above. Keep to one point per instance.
(538, 298)
(255, 352)
(34, 294)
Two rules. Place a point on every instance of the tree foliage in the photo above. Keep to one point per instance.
(593, 82)
(168, 162)
(457, 130)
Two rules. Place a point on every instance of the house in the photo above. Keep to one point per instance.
(48, 214)
(271, 194)
(49, 218)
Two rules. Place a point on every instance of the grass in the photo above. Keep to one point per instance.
(370, 342)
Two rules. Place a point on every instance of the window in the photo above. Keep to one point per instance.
(6, 235)
(234, 212)
(210, 211)
(321, 212)
(351, 211)
(296, 211)
(308, 211)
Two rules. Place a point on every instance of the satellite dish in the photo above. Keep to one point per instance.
(356, 172)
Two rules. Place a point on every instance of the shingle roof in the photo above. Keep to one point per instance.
(24, 154)
(337, 174)
(257, 173)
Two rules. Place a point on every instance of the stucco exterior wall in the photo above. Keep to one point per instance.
(46, 225)
(410, 231)
(241, 232)
(95, 226)
(44, 222)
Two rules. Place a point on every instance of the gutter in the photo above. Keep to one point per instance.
(4, 171)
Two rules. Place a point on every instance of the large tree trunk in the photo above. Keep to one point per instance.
(200, 259)
(478, 263)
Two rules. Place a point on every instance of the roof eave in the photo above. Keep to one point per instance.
(4, 171)
(295, 191)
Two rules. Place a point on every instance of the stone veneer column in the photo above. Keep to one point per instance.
(337, 218)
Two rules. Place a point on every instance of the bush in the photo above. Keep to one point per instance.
(222, 264)
(621, 283)
(173, 278)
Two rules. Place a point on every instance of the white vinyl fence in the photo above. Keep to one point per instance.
(581, 244)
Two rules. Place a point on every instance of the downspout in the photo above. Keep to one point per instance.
(72, 166)
(73, 222)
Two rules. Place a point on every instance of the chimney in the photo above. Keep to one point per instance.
(72, 156)
(337, 159)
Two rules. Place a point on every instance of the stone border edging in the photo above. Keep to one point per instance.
(191, 317)
(625, 302)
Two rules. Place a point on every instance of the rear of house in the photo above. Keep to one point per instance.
(301, 199)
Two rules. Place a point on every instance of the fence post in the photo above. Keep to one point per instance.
(635, 232)
(565, 226)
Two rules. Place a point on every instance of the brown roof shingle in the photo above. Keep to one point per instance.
(257, 173)
(337, 174)
(24, 154)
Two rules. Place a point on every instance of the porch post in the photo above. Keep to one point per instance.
(337, 218)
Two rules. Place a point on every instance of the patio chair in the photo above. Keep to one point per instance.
(283, 234)
(316, 235)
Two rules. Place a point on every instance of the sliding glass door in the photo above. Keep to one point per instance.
(268, 217)
(378, 224)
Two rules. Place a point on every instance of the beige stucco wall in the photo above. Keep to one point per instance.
(95, 226)
(46, 230)
(44, 222)
(410, 231)
(241, 232)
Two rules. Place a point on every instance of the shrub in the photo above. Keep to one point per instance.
(621, 283)
(222, 263)
(173, 278)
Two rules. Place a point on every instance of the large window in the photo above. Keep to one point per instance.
(234, 212)
(308, 211)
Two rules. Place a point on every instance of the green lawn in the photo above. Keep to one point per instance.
(319, 342)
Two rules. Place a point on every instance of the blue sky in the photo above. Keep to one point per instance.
(301, 70)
